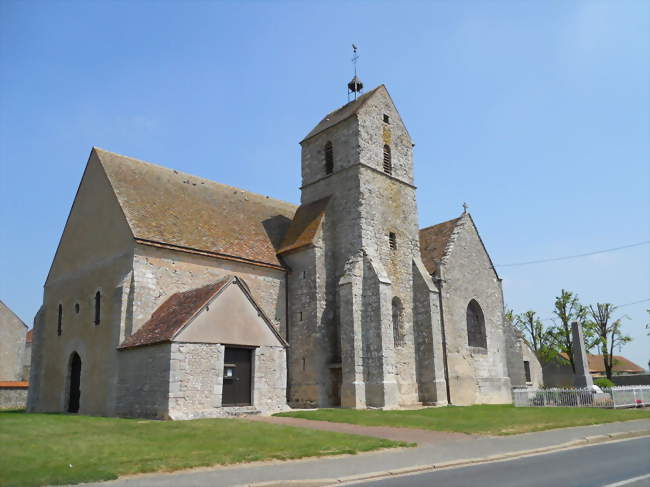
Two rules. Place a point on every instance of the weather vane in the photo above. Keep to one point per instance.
(355, 86)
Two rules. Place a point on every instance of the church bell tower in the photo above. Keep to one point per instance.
(357, 174)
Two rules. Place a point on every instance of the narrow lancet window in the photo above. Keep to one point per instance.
(98, 303)
(388, 163)
(59, 322)
(329, 158)
(392, 241)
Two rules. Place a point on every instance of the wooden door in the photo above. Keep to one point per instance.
(237, 377)
(75, 383)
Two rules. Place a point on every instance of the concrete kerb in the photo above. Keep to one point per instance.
(353, 479)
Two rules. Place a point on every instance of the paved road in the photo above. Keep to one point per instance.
(609, 464)
(346, 465)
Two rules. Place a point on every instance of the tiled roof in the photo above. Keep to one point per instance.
(28, 337)
(433, 242)
(187, 212)
(172, 314)
(620, 365)
(304, 226)
(14, 383)
(340, 114)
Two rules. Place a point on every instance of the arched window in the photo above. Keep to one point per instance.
(388, 163)
(98, 304)
(398, 327)
(59, 321)
(329, 158)
(476, 336)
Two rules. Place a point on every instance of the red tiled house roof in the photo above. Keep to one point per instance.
(172, 314)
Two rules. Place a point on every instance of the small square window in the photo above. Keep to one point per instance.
(386, 118)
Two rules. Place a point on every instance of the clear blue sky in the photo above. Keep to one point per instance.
(535, 113)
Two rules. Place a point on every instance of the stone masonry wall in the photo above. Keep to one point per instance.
(308, 362)
(96, 344)
(159, 273)
(427, 338)
(13, 397)
(144, 376)
(536, 373)
(196, 380)
(270, 379)
(476, 375)
(514, 357)
(12, 345)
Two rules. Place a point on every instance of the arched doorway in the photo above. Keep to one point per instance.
(75, 383)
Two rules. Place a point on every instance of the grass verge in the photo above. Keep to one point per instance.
(484, 419)
(40, 449)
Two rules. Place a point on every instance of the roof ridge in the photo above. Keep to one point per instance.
(441, 223)
(183, 173)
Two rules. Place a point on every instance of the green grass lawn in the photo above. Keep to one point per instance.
(38, 449)
(484, 419)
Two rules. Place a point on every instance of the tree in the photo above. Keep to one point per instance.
(568, 309)
(608, 332)
(535, 333)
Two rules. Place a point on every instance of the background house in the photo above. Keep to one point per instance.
(624, 372)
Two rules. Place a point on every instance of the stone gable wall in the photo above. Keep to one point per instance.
(475, 375)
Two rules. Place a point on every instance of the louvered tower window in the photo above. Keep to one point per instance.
(329, 158)
(392, 241)
(388, 164)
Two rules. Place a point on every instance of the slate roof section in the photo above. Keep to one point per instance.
(169, 207)
(173, 314)
(340, 114)
(304, 226)
(433, 242)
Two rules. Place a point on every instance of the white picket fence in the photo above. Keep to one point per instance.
(616, 397)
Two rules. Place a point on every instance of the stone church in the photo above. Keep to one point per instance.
(172, 296)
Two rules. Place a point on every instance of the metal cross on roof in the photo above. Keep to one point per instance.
(465, 206)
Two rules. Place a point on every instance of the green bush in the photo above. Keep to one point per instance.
(604, 383)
